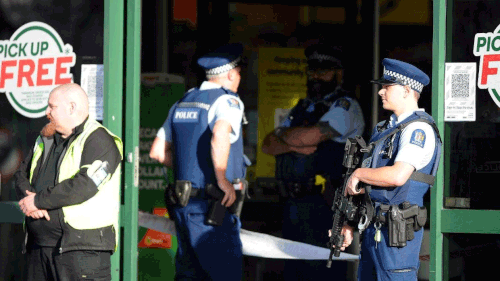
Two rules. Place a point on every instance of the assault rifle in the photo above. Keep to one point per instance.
(347, 208)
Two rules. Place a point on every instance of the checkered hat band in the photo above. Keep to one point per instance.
(415, 85)
(321, 58)
(223, 68)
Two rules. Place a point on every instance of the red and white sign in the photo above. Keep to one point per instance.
(157, 239)
(487, 47)
(33, 62)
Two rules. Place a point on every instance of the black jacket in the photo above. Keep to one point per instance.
(98, 146)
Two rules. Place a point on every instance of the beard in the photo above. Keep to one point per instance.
(317, 89)
(50, 129)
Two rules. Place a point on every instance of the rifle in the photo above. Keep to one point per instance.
(348, 208)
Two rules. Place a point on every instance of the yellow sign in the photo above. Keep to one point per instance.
(282, 83)
(415, 12)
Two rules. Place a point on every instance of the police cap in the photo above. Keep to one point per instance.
(323, 56)
(402, 73)
(222, 59)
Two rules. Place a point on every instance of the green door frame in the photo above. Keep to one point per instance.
(124, 264)
(124, 261)
(438, 59)
(445, 221)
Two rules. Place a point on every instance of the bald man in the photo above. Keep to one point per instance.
(68, 188)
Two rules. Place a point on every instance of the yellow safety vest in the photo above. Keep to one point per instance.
(103, 208)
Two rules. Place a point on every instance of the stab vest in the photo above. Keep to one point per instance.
(191, 137)
(294, 167)
(418, 184)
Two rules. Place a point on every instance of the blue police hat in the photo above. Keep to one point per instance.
(323, 56)
(222, 59)
(402, 73)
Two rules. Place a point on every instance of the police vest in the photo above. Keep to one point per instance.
(414, 189)
(103, 208)
(191, 138)
(296, 167)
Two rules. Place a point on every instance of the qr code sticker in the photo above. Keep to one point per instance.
(460, 85)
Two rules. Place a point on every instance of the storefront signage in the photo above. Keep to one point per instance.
(487, 47)
(32, 63)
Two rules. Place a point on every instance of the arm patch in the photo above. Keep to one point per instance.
(233, 103)
(98, 171)
(418, 138)
(343, 103)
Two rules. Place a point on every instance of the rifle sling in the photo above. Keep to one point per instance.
(416, 175)
(421, 177)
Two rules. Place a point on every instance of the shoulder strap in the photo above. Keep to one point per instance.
(416, 175)
(421, 177)
(400, 127)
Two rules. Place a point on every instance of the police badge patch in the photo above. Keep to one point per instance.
(418, 138)
(343, 103)
(233, 103)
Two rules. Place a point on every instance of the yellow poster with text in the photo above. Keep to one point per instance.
(282, 83)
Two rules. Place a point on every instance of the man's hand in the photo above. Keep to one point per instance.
(352, 185)
(229, 193)
(40, 214)
(348, 233)
(27, 204)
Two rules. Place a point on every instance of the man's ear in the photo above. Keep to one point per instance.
(231, 74)
(407, 90)
(339, 75)
(72, 107)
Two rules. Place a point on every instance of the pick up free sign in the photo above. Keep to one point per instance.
(33, 62)
(487, 47)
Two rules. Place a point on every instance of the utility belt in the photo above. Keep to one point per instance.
(178, 194)
(402, 222)
(298, 189)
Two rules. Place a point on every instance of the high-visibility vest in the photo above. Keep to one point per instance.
(103, 208)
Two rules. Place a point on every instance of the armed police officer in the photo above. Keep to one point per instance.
(308, 143)
(400, 169)
(202, 140)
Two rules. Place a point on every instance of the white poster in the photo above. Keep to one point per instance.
(460, 92)
(93, 85)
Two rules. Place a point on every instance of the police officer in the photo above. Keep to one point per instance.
(202, 140)
(311, 142)
(400, 168)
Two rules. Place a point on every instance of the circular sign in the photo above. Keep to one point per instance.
(33, 62)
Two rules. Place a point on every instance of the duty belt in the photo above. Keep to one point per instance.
(181, 191)
(298, 189)
(402, 222)
(197, 192)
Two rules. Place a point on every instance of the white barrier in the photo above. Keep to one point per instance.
(254, 243)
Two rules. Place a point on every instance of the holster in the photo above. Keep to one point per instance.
(217, 211)
(178, 193)
(403, 220)
(237, 206)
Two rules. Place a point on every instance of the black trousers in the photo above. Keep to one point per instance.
(47, 264)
